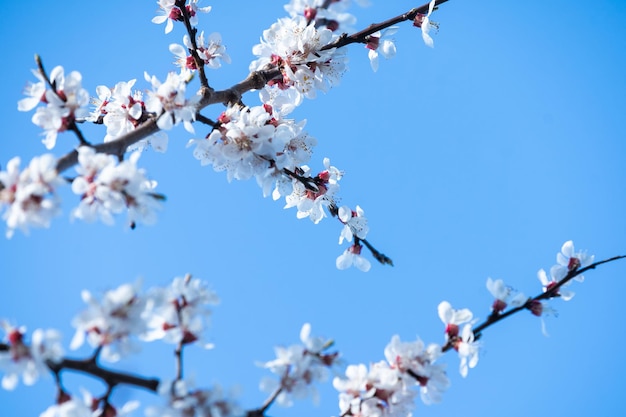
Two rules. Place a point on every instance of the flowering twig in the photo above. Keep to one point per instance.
(550, 292)
(362, 36)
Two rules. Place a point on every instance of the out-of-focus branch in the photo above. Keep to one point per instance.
(110, 377)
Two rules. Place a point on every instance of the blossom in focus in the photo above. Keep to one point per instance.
(376, 43)
(319, 192)
(254, 142)
(541, 308)
(29, 196)
(354, 223)
(415, 362)
(423, 21)
(501, 293)
(467, 348)
(352, 257)
(167, 100)
(111, 323)
(294, 46)
(548, 285)
(27, 361)
(108, 188)
(168, 12)
(453, 318)
(210, 51)
(65, 103)
(569, 260)
(179, 313)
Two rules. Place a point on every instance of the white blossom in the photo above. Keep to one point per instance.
(423, 21)
(415, 362)
(107, 187)
(352, 257)
(28, 361)
(569, 260)
(64, 105)
(376, 43)
(299, 366)
(179, 313)
(112, 322)
(501, 293)
(548, 284)
(295, 47)
(167, 100)
(467, 349)
(29, 196)
(355, 223)
(377, 392)
(453, 318)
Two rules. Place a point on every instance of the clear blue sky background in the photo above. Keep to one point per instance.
(477, 158)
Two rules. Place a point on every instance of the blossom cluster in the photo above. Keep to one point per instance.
(211, 52)
(111, 324)
(29, 197)
(255, 142)
(295, 46)
(175, 314)
(169, 13)
(386, 387)
(107, 187)
(333, 16)
(122, 109)
(568, 262)
(24, 360)
(65, 102)
(298, 367)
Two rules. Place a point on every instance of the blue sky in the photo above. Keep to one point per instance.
(475, 159)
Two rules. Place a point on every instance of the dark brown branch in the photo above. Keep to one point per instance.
(110, 377)
(552, 292)
(204, 82)
(361, 37)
